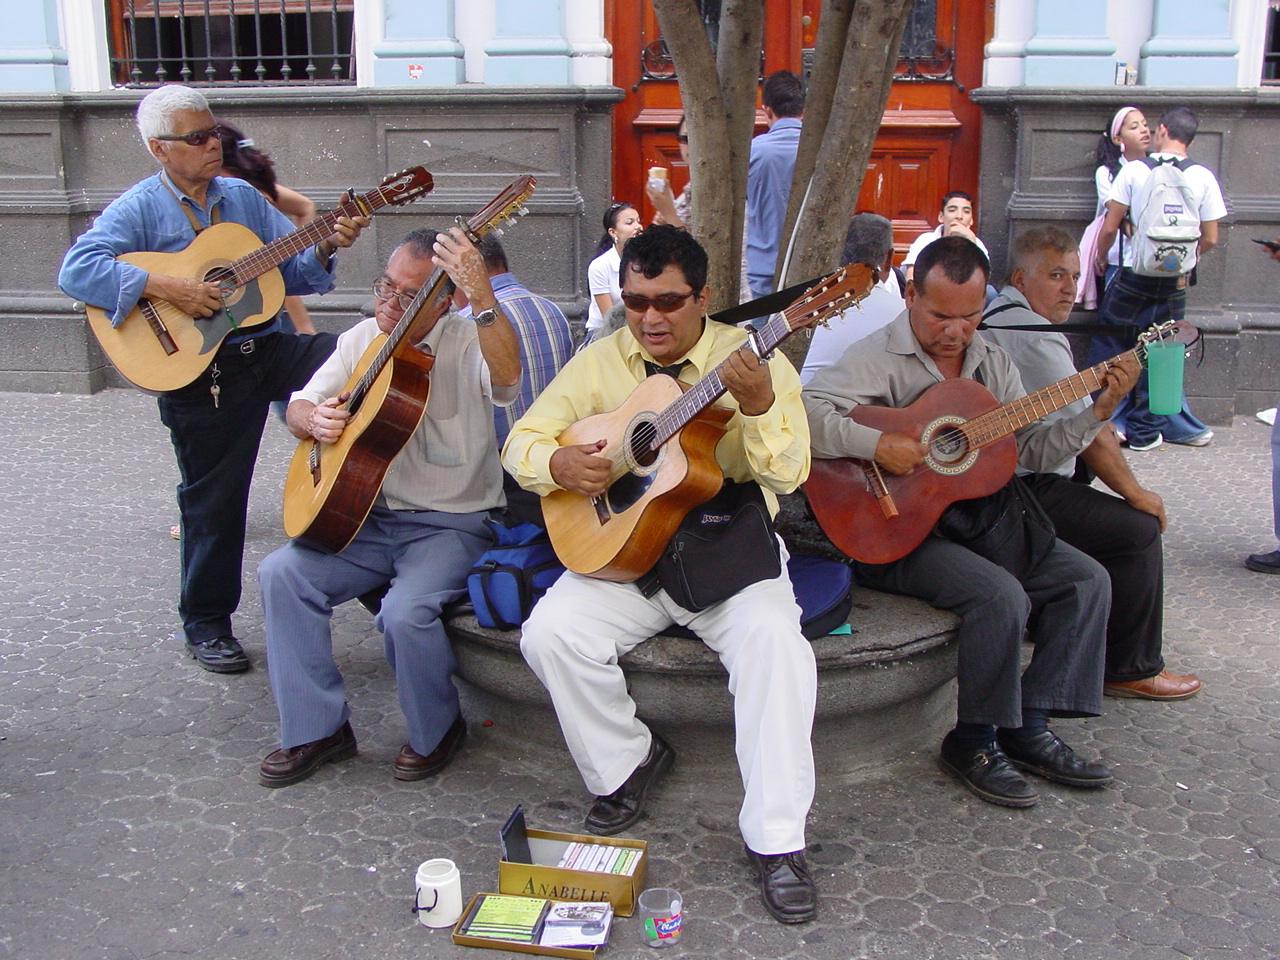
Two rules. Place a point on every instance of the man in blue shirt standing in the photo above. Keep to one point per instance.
(216, 422)
(769, 172)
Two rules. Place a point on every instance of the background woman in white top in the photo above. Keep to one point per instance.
(1127, 138)
(621, 223)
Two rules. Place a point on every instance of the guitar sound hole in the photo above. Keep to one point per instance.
(225, 280)
(949, 445)
(640, 444)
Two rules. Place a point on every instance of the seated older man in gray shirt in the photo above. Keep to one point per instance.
(1121, 534)
(1059, 594)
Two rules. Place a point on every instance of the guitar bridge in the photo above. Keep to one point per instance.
(313, 461)
(602, 509)
(157, 327)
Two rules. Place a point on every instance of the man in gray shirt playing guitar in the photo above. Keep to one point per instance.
(1010, 574)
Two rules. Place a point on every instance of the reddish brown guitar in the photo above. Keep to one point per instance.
(619, 534)
(877, 517)
(331, 487)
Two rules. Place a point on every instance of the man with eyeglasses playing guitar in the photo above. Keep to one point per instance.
(583, 625)
(216, 421)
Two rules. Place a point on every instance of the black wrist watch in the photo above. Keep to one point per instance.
(485, 318)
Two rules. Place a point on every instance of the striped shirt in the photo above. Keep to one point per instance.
(546, 343)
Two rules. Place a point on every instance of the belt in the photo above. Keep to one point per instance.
(243, 347)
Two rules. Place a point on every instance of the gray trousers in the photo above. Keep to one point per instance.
(426, 556)
(1063, 605)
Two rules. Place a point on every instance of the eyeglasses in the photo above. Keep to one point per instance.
(682, 138)
(663, 302)
(196, 138)
(384, 291)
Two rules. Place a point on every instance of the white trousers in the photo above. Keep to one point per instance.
(578, 631)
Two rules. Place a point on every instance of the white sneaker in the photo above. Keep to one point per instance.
(1199, 440)
(1267, 416)
(1141, 447)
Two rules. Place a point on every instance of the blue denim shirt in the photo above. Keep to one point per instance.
(146, 217)
(769, 172)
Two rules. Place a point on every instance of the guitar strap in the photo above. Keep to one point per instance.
(214, 217)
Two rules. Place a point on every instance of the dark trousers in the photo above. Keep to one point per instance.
(216, 448)
(1062, 604)
(1128, 544)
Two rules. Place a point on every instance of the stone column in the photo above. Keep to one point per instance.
(1070, 46)
(1190, 46)
(529, 47)
(1003, 66)
(592, 55)
(419, 46)
(32, 59)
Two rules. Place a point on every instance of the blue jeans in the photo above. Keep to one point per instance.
(1133, 301)
(216, 448)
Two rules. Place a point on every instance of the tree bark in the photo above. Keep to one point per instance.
(862, 89)
(716, 111)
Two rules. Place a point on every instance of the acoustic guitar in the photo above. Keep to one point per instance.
(877, 517)
(159, 348)
(331, 487)
(662, 442)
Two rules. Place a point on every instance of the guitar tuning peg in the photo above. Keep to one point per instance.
(523, 211)
(497, 232)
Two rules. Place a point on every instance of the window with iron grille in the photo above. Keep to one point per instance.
(231, 41)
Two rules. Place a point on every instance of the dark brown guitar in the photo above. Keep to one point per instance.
(877, 517)
(331, 487)
(662, 441)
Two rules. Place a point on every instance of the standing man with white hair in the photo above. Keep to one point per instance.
(216, 422)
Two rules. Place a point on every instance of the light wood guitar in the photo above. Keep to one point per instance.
(159, 348)
(331, 487)
(876, 517)
(662, 442)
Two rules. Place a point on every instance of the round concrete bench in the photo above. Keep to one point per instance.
(883, 690)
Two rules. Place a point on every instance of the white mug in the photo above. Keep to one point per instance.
(438, 893)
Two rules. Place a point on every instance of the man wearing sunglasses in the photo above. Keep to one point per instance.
(582, 626)
(216, 422)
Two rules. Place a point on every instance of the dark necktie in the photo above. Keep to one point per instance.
(672, 371)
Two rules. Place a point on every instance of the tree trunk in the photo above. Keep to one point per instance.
(718, 116)
(862, 89)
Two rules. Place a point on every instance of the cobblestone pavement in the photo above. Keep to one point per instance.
(132, 825)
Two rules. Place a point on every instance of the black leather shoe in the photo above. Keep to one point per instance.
(1263, 562)
(988, 773)
(1045, 754)
(786, 885)
(617, 811)
(411, 765)
(219, 654)
(283, 767)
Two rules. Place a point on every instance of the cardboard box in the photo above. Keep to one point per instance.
(544, 879)
(465, 940)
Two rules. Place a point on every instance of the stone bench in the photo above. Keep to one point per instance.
(883, 691)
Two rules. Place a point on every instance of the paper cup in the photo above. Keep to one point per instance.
(1164, 377)
(438, 893)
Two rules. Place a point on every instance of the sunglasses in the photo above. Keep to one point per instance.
(663, 302)
(384, 291)
(196, 138)
(682, 138)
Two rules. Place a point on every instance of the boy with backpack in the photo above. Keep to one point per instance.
(1173, 205)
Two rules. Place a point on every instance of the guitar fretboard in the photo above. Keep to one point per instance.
(271, 255)
(1004, 420)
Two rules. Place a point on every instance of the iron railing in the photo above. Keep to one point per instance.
(231, 41)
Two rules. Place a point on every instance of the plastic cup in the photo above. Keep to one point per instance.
(661, 911)
(1164, 377)
(437, 898)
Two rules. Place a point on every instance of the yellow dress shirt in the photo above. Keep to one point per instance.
(772, 449)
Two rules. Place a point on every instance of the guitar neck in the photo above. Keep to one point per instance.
(711, 387)
(1013, 416)
(271, 255)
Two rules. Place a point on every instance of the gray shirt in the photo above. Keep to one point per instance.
(889, 368)
(1041, 358)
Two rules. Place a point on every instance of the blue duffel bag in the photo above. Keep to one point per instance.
(512, 576)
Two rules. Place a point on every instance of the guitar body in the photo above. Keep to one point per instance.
(620, 534)
(331, 487)
(848, 510)
(159, 348)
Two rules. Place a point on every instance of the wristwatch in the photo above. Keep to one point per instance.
(485, 318)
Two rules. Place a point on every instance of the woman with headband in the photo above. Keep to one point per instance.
(1127, 138)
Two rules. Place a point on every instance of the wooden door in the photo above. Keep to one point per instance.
(929, 136)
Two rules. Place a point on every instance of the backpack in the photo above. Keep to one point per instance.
(511, 577)
(1166, 228)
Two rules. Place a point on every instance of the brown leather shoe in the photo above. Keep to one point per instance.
(411, 765)
(1163, 686)
(283, 767)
